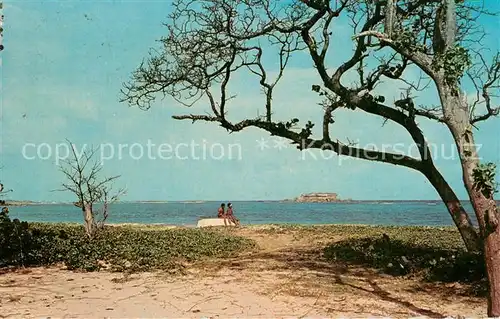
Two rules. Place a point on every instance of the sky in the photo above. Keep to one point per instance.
(63, 67)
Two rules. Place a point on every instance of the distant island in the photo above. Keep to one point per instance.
(17, 202)
(319, 198)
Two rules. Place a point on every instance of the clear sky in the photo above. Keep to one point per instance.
(63, 67)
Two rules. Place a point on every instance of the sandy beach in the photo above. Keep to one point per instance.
(285, 276)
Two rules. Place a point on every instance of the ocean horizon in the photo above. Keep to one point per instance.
(258, 212)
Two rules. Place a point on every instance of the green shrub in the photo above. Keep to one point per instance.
(15, 239)
(120, 248)
(409, 255)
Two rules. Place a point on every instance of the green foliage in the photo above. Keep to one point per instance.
(293, 122)
(484, 179)
(407, 39)
(126, 248)
(454, 62)
(429, 253)
(321, 92)
(14, 239)
(444, 237)
(307, 131)
(434, 258)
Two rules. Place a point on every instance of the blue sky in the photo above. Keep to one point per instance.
(63, 67)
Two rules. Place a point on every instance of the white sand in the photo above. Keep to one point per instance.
(286, 277)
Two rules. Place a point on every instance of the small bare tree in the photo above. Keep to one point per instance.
(82, 173)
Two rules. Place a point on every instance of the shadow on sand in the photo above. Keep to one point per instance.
(359, 264)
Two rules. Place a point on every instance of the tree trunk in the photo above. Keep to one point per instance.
(486, 211)
(88, 218)
(491, 237)
(456, 113)
(455, 208)
(488, 219)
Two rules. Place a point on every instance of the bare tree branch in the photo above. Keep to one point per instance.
(484, 89)
(82, 172)
(420, 59)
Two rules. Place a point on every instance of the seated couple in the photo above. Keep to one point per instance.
(227, 215)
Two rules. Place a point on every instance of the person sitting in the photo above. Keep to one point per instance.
(230, 215)
(221, 213)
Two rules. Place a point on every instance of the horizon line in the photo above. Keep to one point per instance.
(238, 200)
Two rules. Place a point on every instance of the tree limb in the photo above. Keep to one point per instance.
(492, 82)
(302, 144)
(420, 59)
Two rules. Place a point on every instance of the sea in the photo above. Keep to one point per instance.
(398, 213)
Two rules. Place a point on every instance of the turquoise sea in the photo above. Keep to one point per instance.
(425, 213)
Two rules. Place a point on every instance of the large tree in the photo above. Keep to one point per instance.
(209, 41)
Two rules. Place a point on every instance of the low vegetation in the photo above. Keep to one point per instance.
(434, 254)
(405, 257)
(429, 253)
(114, 248)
